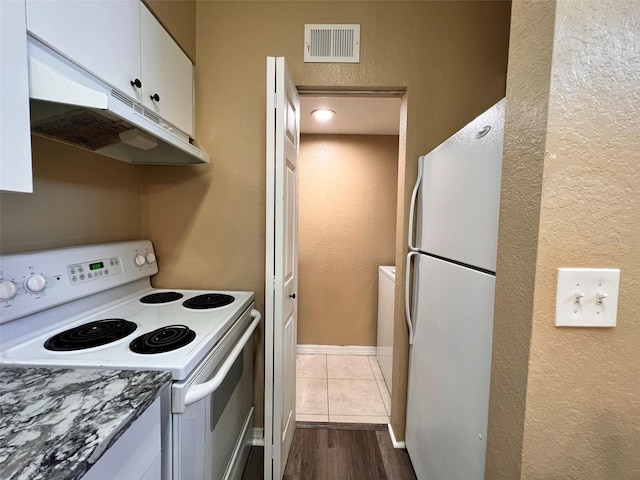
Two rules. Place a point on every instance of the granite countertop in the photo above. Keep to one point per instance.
(56, 423)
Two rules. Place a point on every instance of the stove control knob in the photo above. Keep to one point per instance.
(151, 257)
(140, 260)
(8, 290)
(36, 283)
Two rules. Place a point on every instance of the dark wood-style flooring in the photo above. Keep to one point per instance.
(339, 452)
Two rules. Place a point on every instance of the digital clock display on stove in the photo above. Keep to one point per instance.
(96, 266)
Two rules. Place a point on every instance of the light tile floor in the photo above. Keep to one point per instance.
(341, 388)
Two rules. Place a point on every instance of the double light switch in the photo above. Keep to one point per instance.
(587, 297)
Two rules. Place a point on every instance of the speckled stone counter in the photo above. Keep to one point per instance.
(56, 423)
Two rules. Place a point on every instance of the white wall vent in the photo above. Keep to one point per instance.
(332, 43)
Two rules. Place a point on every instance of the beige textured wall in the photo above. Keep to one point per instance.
(582, 417)
(528, 81)
(346, 229)
(78, 198)
(208, 222)
(583, 396)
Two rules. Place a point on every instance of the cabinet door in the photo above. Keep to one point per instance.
(167, 74)
(15, 131)
(137, 452)
(102, 36)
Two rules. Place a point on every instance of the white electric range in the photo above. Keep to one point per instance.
(93, 306)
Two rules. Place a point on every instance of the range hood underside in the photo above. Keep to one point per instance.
(98, 132)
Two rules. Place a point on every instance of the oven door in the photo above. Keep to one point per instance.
(213, 409)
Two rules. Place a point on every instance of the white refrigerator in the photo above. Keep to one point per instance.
(451, 267)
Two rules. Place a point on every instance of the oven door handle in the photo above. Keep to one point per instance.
(202, 390)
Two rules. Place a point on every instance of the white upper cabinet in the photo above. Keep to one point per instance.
(102, 36)
(122, 43)
(15, 132)
(167, 74)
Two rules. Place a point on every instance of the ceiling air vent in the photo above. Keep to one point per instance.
(332, 43)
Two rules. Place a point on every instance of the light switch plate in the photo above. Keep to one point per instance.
(587, 297)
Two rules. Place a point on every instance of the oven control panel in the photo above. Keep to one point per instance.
(35, 281)
(94, 270)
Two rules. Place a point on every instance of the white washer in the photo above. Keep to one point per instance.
(386, 295)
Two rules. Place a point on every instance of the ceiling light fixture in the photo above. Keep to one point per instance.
(323, 114)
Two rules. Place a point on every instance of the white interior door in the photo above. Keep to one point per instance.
(283, 136)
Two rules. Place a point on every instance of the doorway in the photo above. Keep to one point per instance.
(348, 173)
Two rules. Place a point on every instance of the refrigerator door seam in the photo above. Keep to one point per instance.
(455, 262)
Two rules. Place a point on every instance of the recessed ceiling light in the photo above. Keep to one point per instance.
(323, 114)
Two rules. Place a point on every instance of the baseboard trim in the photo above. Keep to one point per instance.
(336, 350)
(257, 437)
(396, 444)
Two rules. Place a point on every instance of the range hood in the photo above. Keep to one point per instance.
(72, 106)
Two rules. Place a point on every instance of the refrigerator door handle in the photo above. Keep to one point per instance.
(407, 296)
(412, 205)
